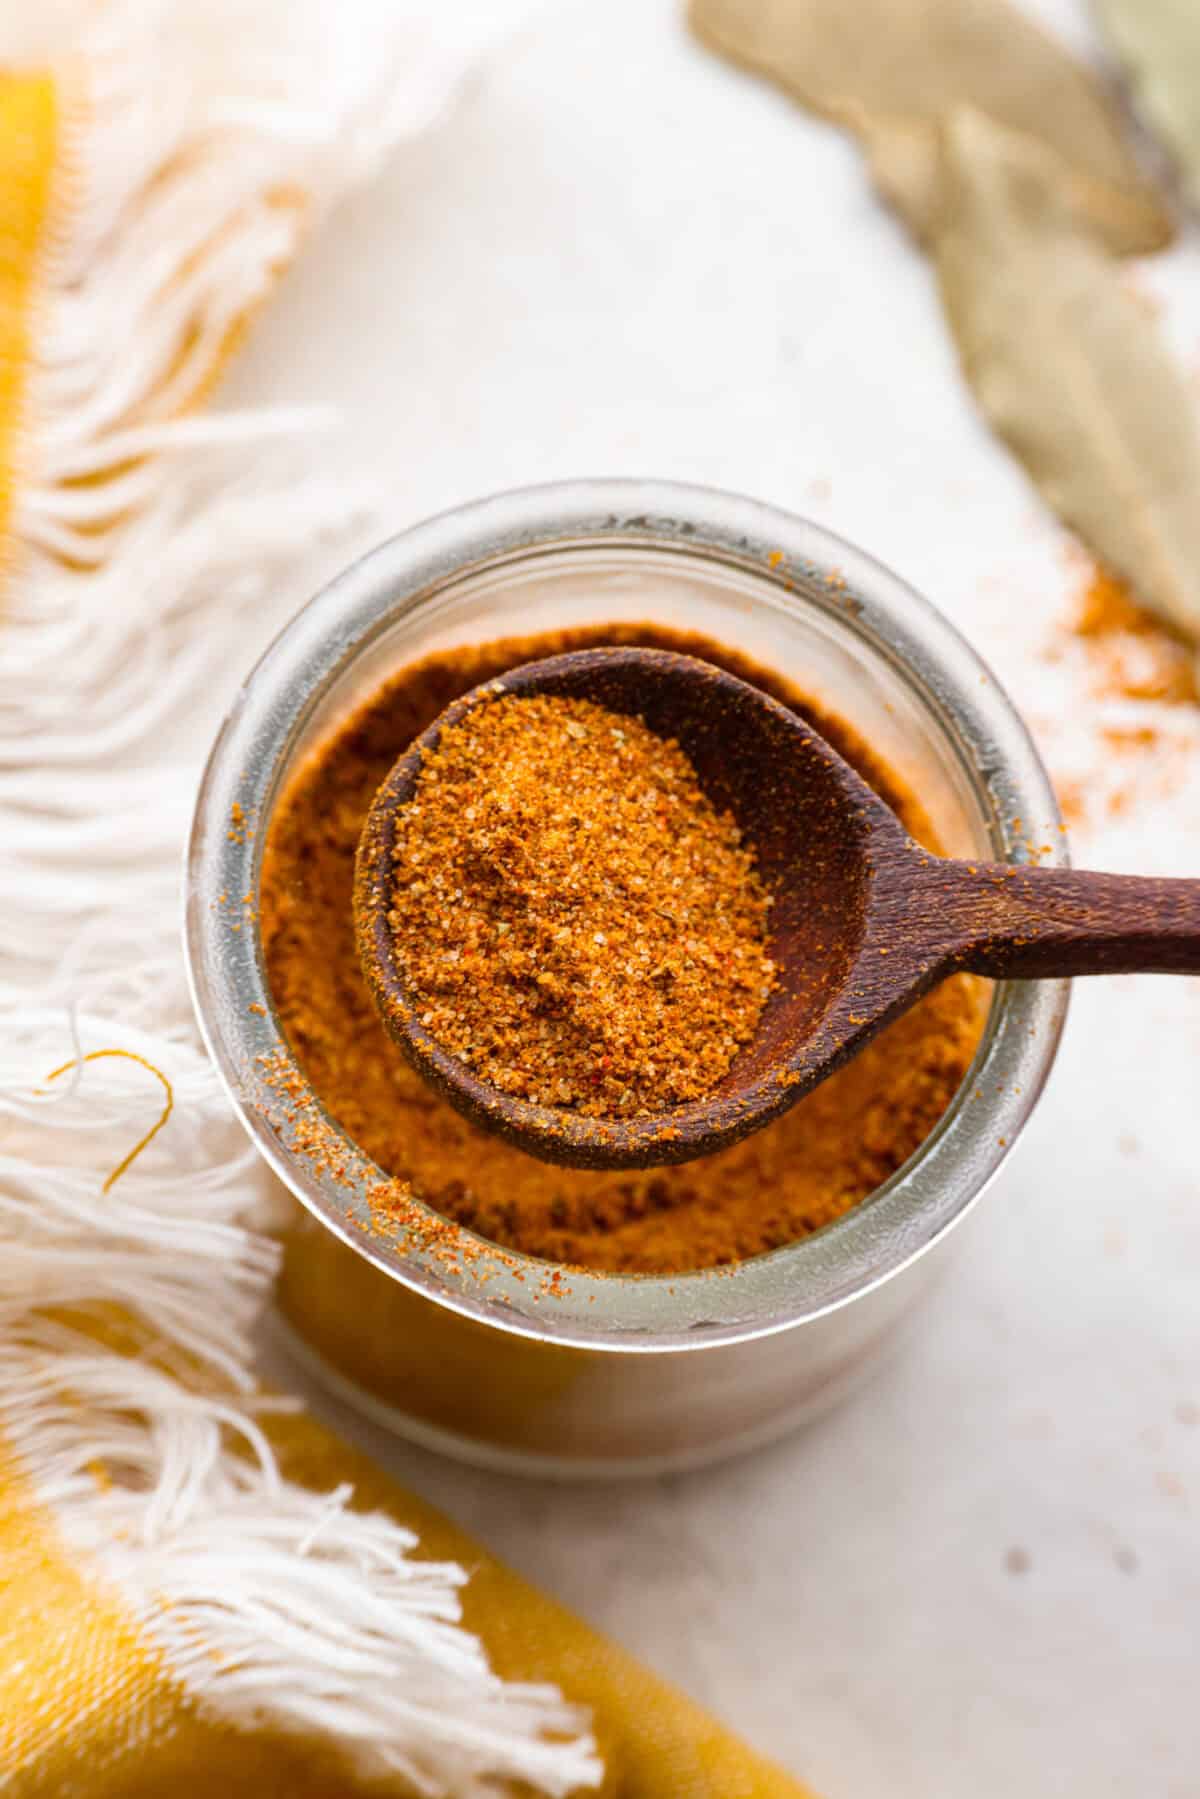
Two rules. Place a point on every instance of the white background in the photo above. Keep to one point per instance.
(982, 1577)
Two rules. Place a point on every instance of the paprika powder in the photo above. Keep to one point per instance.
(575, 921)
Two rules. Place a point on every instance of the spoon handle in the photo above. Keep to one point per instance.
(1033, 923)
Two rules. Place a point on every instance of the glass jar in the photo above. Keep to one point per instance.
(612, 1373)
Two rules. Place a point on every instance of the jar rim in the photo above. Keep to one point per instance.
(526, 1295)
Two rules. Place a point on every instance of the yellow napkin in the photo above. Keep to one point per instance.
(87, 1702)
(166, 1549)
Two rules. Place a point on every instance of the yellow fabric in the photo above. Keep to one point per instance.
(87, 1703)
(88, 1707)
(656, 1743)
(59, 1636)
(28, 140)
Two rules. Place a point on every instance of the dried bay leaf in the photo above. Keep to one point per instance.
(1068, 366)
(1159, 42)
(906, 165)
(890, 70)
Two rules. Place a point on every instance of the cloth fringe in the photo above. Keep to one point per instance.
(140, 536)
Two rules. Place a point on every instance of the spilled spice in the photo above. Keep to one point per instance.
(824, 1156)
(574, 919)
(1140, 725)
(1134, 655)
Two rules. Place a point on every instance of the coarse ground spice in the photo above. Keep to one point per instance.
(1135, 654)
(573, 918)
(811, 1165)
(1142, 690)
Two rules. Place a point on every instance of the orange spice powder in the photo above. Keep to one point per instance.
(1135, 655)
(1141, 675)
(824, 1156)
(573, 918)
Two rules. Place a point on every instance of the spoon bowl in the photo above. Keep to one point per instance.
(863, 921)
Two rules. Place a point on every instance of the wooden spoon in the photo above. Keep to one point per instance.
(864, 921)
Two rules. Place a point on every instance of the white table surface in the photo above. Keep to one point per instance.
(981, 1577)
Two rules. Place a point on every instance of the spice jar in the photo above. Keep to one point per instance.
(504, 1358)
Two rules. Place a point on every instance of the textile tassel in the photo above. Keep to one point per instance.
(195, 147)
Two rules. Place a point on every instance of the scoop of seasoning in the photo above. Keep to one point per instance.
(575, 920)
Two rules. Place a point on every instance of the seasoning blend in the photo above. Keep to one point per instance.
(577, 1320)
(581, 927)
